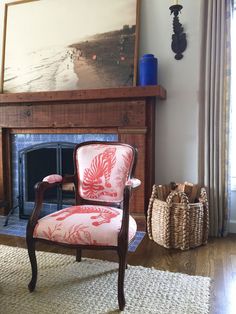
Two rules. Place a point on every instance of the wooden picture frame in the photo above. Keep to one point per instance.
(51, 45)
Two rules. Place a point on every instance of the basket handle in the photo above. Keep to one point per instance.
(184, 201)
(149, 212)
(203, 195)
(182, 195)
(204, 200)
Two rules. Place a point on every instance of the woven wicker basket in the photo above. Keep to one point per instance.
(181, 225)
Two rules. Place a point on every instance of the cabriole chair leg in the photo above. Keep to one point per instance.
(33, 261)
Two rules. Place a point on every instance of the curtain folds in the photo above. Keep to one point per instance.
(214, 111)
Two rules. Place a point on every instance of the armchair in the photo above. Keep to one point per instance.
(100, 219)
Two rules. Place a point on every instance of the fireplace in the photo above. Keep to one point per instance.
(126, 112)
(35, 156)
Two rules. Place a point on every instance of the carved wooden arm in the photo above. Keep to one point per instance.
(48, 182)
(123, 234)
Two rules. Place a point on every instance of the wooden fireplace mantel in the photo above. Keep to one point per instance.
(88, 94)
(128, 112)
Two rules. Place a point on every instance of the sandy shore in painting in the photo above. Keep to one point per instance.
(105, 60)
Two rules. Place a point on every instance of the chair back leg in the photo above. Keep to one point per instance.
(78, 255)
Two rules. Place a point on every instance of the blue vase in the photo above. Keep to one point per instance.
(148, 70)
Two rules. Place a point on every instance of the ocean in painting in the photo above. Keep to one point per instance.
(48, 69)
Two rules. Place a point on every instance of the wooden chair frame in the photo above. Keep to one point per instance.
(122, 246)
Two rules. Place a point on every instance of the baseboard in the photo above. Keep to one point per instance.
(232, 226)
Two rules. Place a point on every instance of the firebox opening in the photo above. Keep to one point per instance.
(39, 161)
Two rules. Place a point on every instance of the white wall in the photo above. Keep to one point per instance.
(232, 225)
(177, 116)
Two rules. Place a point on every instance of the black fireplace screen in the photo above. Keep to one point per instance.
(37, 162)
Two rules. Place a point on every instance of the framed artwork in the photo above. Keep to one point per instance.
(51, 45)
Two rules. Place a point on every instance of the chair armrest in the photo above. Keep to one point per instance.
(134, 183)
(123, 234)
(53, 178)
(56, 178)
(40, 187)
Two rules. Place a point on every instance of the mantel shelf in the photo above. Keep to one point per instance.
(88, 94)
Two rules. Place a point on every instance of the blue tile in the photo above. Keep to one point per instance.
(138, 239)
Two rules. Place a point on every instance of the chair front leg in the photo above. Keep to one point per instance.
(123, 247)
(31, 251)
(121, 277)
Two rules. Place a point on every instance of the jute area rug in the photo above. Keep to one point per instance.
(66, 286)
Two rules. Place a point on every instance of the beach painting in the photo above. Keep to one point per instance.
(52, 45)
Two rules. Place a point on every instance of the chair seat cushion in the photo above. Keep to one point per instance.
(84, 224)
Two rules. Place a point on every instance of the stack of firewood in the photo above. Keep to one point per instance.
(191, 190)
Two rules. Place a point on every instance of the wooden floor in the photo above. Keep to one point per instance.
(217, 260)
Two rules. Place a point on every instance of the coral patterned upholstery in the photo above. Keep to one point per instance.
(52, 178)
(103, 171)
(85, 224)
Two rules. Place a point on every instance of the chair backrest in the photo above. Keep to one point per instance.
(102, 168)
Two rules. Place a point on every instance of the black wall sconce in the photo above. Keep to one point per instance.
(179, 41)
